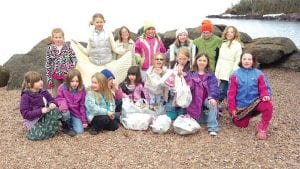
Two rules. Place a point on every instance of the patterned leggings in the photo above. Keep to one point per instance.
(46, 127)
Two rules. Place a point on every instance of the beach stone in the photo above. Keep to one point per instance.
(291, 62)
(34, 60)
(4, 76)
(270, 50)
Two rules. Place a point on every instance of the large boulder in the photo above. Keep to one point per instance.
(291, 62)
(19, 64)
(4, 76)
(270, 50)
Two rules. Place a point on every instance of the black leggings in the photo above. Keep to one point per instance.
(103, 122)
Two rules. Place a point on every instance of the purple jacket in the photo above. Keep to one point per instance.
(72, 101)
(32, 103)
(209, 83)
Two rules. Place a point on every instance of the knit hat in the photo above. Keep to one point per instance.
(206, 26)
(108, 74)
(148, 24)
(181, 30)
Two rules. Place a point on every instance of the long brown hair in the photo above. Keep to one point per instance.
(120, 33)
(71, 74)
(195, 65)
(30, 78)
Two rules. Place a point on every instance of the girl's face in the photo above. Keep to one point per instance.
(58, 39)
(159, 61)
(74, 83)
(124, 34)
(182, 37)
(132, 78)
(98, 23)
(182, 59)
(95, 85)
(202, 63)
(151, 32)
(230, 34)
(110, 83)
(247, 60)
(38, 85)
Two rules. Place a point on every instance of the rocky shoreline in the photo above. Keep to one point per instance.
(278, 52)
(281, 16)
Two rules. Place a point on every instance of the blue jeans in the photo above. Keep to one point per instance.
(173, 112)
(210, 117)
(223, 87)
(75, 122)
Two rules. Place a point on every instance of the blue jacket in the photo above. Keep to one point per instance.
(245, 86)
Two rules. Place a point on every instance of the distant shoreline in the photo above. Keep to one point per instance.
(295, 17)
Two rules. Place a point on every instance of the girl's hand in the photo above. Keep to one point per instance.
(114, 85)
(111, 115)
(64, 111)
(233, 113)
(212, 102)
(45, 110)
(84, 125)
(266, 98)
(52, 106)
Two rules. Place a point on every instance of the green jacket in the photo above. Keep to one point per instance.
(210, 47)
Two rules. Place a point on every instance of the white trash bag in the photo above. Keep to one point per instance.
(134, 116)
(161, 124)
(184, 125)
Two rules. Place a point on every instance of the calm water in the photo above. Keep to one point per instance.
(265, 28)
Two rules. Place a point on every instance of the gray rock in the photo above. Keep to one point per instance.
(270, 50)
(19, 64)
(291, 62)
(4, 76)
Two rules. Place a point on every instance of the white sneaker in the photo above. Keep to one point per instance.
(213, 133)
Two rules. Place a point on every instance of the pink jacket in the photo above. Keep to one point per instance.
(72, 101)
(137, 93)
(146, 47)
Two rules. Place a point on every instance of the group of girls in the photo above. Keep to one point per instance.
(98, 106)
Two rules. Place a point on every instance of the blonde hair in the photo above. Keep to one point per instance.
(97, 15)
(237, 35)
(104, 90)
(57, 30)
(30, 78)
(184, 51)
(70, 75)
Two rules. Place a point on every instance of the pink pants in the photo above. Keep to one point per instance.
(266, 109)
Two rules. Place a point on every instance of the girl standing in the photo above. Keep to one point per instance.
(70, 98)
(182, 40)
(100, 106)
(124, 43)
(60, 59)
(38, 108)
(146, 46)
(242, 94)
(229, 58)
(101, 42)
(205, 93)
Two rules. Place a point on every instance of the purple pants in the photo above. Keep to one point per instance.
(266, 109)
